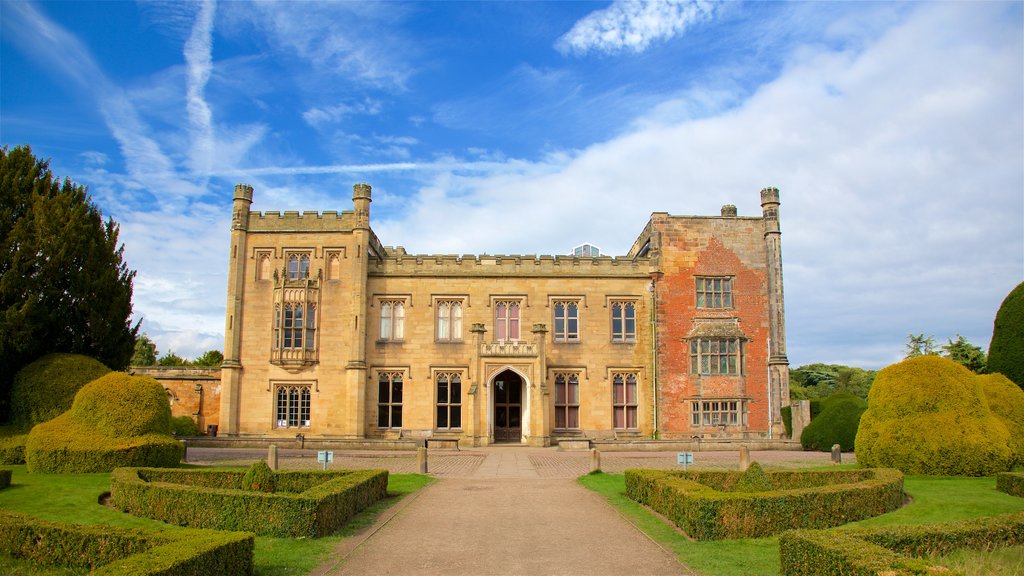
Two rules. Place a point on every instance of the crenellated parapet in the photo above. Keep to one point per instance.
(398, 263)
(293, 221)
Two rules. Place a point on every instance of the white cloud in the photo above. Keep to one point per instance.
(631, 25)
(199, 61)
(317, 116)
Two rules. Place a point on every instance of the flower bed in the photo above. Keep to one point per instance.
(892, 550)
(304, 503)
(707, 507)
(109, 551)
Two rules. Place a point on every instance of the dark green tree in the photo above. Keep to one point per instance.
(172, 359)
(64, 286)
(963, 352)
(145, 352)
(211, 358)
(1006, 351)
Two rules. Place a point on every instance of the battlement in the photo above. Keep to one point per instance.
(309, 221)
(399, 263)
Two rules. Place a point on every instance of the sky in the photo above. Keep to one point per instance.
(894, 131)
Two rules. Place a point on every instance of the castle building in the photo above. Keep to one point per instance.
(331, 334)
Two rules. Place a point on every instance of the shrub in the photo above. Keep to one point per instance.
(5, 478)
(706, 506)
(184, 426)
(891, 550)
(1006, 400)
(12, 445)
(928, 415)
(1006, 350)
(836, 424)
(110, 551)
(259, 478)
(753, 479)
(46, 388)
(1011, 483)
(116, 420)
(306, 503)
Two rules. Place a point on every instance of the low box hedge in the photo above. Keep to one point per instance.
(704, 506)
(5, 478)
(110, 551)
(1011, 482)
(894, 551)
(12, 447)
(305, 503)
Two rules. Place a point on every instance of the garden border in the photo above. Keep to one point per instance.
(306, 504)
(110, 551)
(896, 549)
(702, 505)
(1011, 483)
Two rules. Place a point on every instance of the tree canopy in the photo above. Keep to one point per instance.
(64, 286)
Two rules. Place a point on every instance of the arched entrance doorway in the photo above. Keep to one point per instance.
(508, 407)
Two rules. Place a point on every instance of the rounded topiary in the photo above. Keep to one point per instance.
(116, 420)
(1006, 350)
(259, 478)
(836, 424)
(184, 426)
(45, 388)
(928, 415)
(1006, 401)
(753, 479)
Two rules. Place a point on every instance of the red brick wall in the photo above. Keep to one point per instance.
(193, 392)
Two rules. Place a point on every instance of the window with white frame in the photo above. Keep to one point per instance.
(623, 321)
(449, 400)
(449, 320)
(716, 412)
(389, 400)
(567, 400)
(567, 320)
(392, 319)
(716, 356)
(292, 406)
(714, 292)
(624, 400)
(506, 319)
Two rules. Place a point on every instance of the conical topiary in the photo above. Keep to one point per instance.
(753, 480)
(259, 478)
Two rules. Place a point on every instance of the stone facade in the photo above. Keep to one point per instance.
(331, 334)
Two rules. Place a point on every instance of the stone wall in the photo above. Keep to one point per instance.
(192, 392)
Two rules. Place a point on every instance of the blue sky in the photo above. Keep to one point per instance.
(895, 132)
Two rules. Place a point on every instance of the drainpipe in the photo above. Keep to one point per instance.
(654, 347)
(769, 368)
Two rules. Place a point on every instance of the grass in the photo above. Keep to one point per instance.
(934, 500)
(1000, 562)
(74, 498)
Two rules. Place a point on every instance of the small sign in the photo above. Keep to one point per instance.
(684, 458)
(324, 457)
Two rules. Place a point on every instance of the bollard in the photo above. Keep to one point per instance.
(595, 460)
(272, 457)
(837, 454)
(744, 458)
(421, 460)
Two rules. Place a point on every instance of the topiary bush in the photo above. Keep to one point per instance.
(753, 479)
(1006, 400)
(259, 478)
(1006, 350)
(115, 420)
(836, 423)
(928, 415)
(184, 426)
(46, 388)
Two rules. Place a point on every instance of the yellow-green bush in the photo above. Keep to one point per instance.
(116, 420)
(1006, 400)
(46, 388)
(896, 550)
(929, 415)
(12, 445)
(110, 551)
(706, 506)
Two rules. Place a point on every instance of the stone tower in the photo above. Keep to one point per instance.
(778, 363)
(232, 368)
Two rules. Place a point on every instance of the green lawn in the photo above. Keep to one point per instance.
(75, 498)
(934, 500)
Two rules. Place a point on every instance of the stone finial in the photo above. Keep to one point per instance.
(729, 211)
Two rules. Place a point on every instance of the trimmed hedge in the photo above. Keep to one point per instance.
(1006, 349)
(1006, 400)
(5, 478)
(706, 507)
(46, 388)
(892, 550)
(116, 420)
(929, 415)
(305, 503)
(836, 424)
(1011, 482)
(110, 551)
(12, 447)
(184, 426)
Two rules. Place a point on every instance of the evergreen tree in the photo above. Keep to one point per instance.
(963, 352)
(1006, 351)
(145, 352)
(64, 286)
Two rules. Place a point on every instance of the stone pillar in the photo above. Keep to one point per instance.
(744, 458)
(231, 369)
(356, 378)
(801, 416)
(541, 414)
(778, 363)
(595, 460)
(421, 460)
(837, 454)
(272, 456)
(478, 406)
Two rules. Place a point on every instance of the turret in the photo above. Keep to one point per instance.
(361, 204)
(778, 363)
(230, 370)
